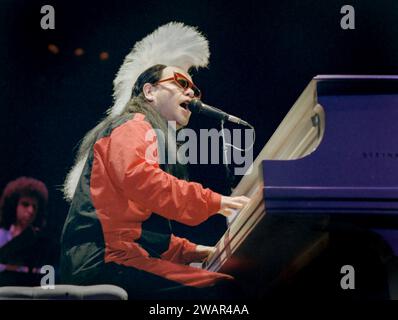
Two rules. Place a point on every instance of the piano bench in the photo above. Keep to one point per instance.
(64, 292)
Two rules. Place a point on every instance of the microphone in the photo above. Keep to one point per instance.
(197, 106)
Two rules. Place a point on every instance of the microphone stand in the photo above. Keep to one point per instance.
(229, 176)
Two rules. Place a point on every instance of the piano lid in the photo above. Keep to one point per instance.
(347, 158)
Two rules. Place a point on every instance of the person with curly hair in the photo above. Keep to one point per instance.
(22, 215)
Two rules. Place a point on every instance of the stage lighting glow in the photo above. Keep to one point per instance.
(53, 48)
(104, 55)
(79, 52)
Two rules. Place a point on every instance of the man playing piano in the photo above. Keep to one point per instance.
(118, 229)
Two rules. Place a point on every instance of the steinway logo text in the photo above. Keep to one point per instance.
(380, 155)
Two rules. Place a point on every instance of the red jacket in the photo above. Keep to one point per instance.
(127, 185)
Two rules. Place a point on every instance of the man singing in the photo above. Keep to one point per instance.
(118, 227)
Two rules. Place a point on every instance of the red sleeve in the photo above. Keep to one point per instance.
(180, 251)
(134, 168)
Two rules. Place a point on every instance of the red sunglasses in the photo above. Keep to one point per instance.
(184, 83)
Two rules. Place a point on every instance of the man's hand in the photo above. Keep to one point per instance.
(230, 203)
(202, 252)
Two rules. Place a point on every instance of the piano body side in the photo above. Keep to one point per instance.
(263, 248)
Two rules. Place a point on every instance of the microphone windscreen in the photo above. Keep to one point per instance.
(195, 106)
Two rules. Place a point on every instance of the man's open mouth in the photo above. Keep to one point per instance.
(184, 105)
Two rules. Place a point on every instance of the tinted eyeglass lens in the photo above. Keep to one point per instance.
(183, 83)
(196, 92)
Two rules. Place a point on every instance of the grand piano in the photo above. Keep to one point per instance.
(330, 168)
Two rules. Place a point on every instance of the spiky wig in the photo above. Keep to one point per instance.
(173, 44)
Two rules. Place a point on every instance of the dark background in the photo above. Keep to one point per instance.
(263, 54)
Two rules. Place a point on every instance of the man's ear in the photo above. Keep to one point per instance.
(149, 90)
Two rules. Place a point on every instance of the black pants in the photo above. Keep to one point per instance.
(142, 285)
